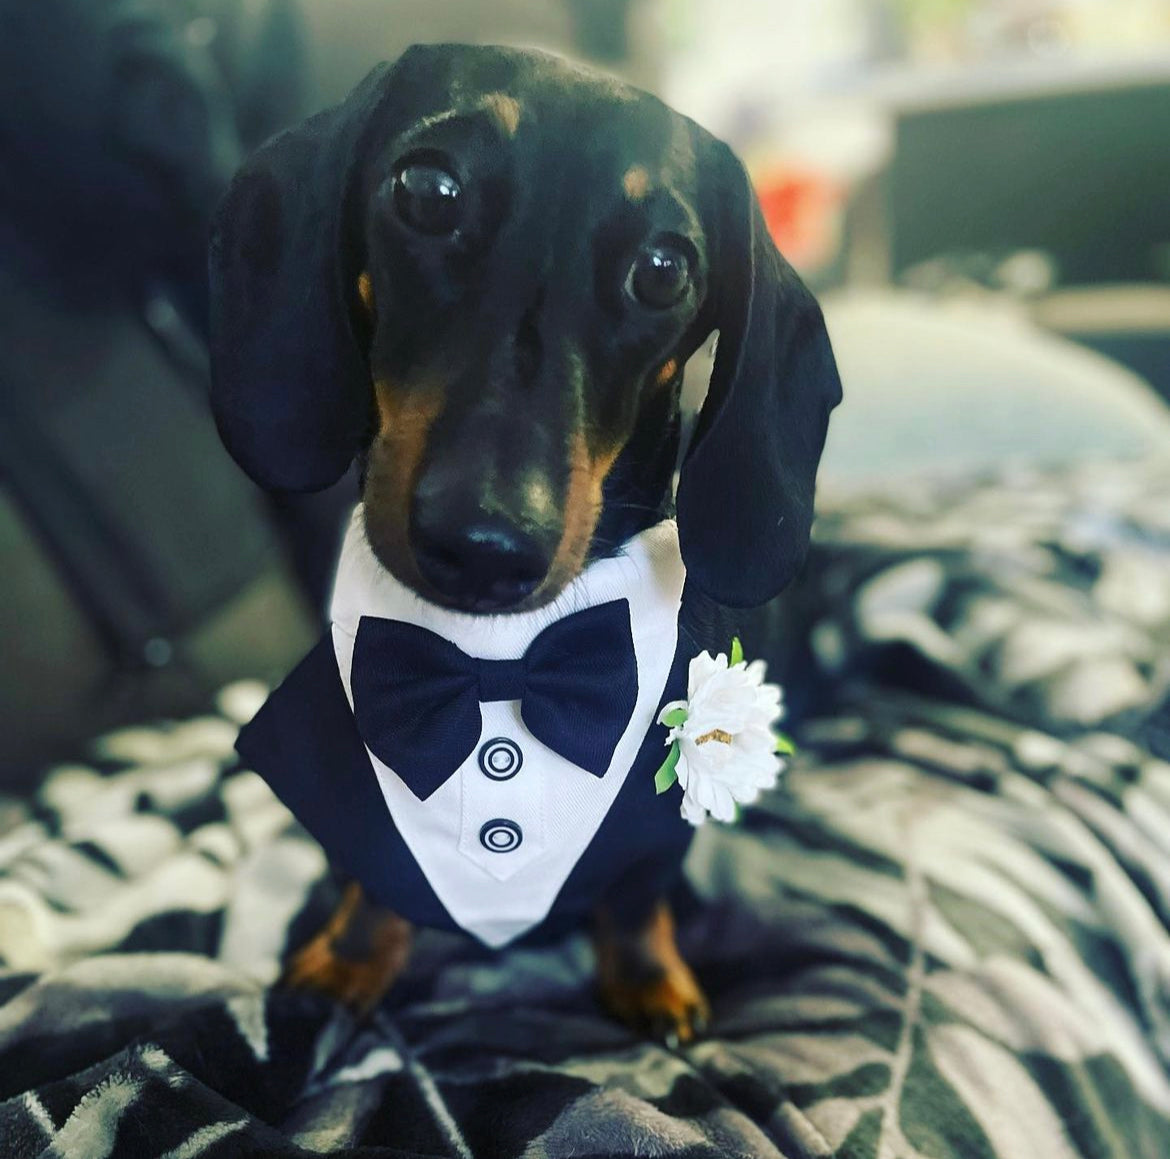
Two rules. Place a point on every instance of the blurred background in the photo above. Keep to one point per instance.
(978, 189)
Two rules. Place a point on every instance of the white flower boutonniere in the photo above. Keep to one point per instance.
(723, 750)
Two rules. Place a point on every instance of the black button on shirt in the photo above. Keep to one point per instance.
(500, 759)
(500, 835)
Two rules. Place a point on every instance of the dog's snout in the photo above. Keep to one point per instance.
(481, 564)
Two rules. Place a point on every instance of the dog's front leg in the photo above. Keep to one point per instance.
(643, 978)
(357, 956)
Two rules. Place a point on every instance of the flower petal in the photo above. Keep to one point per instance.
(692, 811)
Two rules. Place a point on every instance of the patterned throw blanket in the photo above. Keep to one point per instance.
(945, 937)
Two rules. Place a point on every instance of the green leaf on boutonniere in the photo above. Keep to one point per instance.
(667, 775)
(675, 718)
(736, 652)
(784, 745)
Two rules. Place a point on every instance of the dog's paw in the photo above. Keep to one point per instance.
(359, 985)
(356, 958)
(645, 982)
(671, 1008)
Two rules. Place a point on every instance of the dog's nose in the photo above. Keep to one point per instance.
(487, 564)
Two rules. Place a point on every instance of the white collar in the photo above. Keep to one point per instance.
(647, 573)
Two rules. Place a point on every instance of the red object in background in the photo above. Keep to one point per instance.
(803, 214)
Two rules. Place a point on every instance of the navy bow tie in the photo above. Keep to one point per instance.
(416, 696)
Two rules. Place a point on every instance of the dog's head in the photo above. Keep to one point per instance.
(481, 277)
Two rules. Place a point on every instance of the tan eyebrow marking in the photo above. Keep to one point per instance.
(667, 371)
(366, 291)
(636, 182)
(505, 110)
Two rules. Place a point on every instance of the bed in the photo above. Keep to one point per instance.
(945, 936)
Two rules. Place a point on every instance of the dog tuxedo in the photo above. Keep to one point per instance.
(493, 774)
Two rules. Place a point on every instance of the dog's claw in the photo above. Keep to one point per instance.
(645, 982)
(672, 1009)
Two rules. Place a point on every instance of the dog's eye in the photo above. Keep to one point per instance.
(428, 198)
(660, 275)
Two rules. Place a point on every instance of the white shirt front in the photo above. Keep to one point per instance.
(499, 838)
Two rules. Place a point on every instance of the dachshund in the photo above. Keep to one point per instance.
(480, 278)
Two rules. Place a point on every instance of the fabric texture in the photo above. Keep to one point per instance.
(946, 936)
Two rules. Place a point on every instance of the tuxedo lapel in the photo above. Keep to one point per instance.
(305, 744)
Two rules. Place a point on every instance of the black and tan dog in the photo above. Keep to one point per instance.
(481, 277)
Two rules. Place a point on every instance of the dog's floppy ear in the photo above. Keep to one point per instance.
(290, 386)
(745, 495)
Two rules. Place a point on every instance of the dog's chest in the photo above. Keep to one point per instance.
(498, 839)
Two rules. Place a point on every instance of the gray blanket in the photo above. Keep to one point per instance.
(945, 936)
